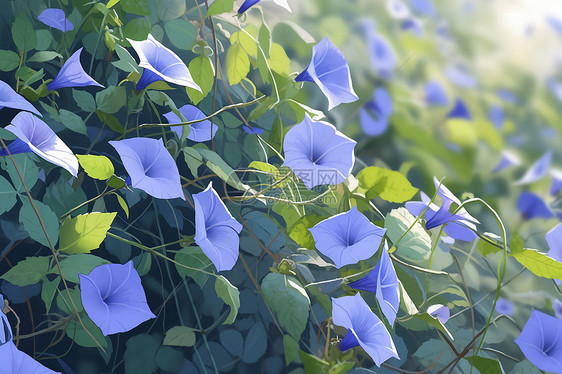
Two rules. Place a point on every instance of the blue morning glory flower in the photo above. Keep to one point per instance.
(329, 70)
(318, 153)
(504, 306)
(435, 94)
(364, 328)
(557, 307)
(200, 131)
(216, 231)
(11, 99)
(496, 116)
(397, 9)
(383, 282)
(414, 25)
(460, 110)
(150, 167)
(36, 136)
(161, 63)
(347, 238)
(374, 116)
(507, 95)
(113, 298)
(383, 58)
(439, 311)
(425, 7)
(538, 170)
(540, 341)
(55, 18)
(508, 159)
(460, 78)
(250, 3)
(72, 74)
(556, 185)
(531, 206)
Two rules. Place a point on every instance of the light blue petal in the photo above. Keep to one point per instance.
(538, 170)
(55, 18)
(531, 206)
(11, 99)
(435, 94)
(72, 74)
(200, 131)
(15, 361)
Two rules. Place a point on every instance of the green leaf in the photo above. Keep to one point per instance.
(279, 61)
(180, 336)
(169, 359)
(264, 38)
(139, 7)
(387, 184)
(539, 263)
(194, 258)
(23, 34)
(416, 244)
(84, 100)
(140, 354)
(341, 368)
(71, 121)
(486, 365)
(85, 232)
(299, 231)
(230, 295)
(28, 271)
(7, 195)
(126, 61)
(181, 33)
(203, 73)
(32, 225)
(9, 60)
(289, 300)
(433, 321)
(111, 3)
(44, 56)
(290, 348)
(97, 167)
(169, 10)
(48, 291)
(28, 169)
(515, 244)
(313, 364)
(123, 204)
(485, 247)
(247, 42)
(61, 197)
(111, 121)
(220, 6)
(79, 264)
(111, 99)
(137, 29)
(237, 64)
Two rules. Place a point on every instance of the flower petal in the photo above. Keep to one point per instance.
(11, 99)
(72, 74)
(200, 131)
(538, 170)
(55, 18)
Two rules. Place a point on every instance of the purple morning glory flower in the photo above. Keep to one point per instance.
(200, 131)
(383, 58)
(318, 153)
(460, 78)
(441, 312)
(72, 74)
(11, 99)
(504, 306)
(55, 18)
(540, 341)
(435, 94)
(554, 241)
(425, 7)
(161, 63)
(556, 185)
(329, 70)
(36, 136)
(531, 206)
(557, 307)
(537, 170)
(397, 9)
(383, 282)
(460, 110)
(364, 328)
(253, 130)
(150, 167)
(113, 298)
(374, 116)
(496, 116)
(216, 231)
(347, 238)
(508, 159)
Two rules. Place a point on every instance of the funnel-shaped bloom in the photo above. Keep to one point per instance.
(538, 170)
(460, 78)
(383, 58)
(425, 7)
(36, 136)
(55, 18)
(531, 206)
(460, 110)
(496, 116)
(216, 231)
(318, 153)
(397, 9)
(435, 94)
(364, 328)
(441, 312)
(150, 167)
(250, 3)
(200, 131)
(347, 238)
(11, 99)
(160, 63)
(540, 341)
(329, 70)
(508, 159)
(504, 306)
(72, 74)
(382, 281)
(113, 298)
(376, 112)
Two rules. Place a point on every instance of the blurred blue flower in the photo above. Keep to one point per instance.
(540, 341)
(496, 116)
(160, 63)
(11, 99)
(383, 58)
(555, 88)
(504, 306)
(460, 78)
(36, 136)
(329, 70)
(374, 116)
(216, 231)
(347, 238)
(55, 18)
(249, 3)
(556, 185)
(200, 131)
(439, 311)
(507, 95)
(531, 206)
(557, 307)
(435, 94)
(113, 298)
(383, 282)
(460, 110)
(508, 159)
(253, 130)
(425, 7)
(414, 25)
(150, 167)
(538, 170)
(555, 23)
(397, 9)
(72, 75)
(364, 328)
(318, 153)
